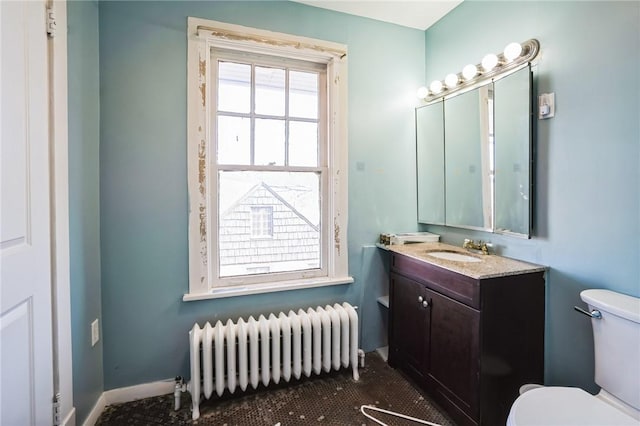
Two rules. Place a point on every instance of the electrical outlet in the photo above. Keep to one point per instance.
(95, 332)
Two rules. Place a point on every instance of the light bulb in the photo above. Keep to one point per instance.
(512, 51)
(489, 62)
(451, 80)
(435, 86)
(422, 92)
(469, 71)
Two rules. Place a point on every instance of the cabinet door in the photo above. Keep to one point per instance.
(409, 325)
(454, 350)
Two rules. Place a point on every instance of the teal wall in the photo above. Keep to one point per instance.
(84, 203)
(143, 172)
(132, 90)
(587, 194)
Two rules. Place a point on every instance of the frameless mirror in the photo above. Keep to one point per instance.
(474, 157)
(468, 164)
(512, 106)
(430, 163)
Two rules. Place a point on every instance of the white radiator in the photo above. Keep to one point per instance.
(236, 355)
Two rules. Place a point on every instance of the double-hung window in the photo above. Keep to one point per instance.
(267, 161)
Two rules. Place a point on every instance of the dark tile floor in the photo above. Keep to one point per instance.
(331, 399)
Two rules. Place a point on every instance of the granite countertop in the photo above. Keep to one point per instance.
(490, 266)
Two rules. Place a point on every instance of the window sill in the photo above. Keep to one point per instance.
(245, 290)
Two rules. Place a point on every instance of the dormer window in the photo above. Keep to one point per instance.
(262, 222)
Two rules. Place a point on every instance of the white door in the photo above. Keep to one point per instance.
(26, 372)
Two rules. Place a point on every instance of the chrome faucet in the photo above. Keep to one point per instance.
(480, 245)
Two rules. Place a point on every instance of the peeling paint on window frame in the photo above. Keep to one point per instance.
(202, 36)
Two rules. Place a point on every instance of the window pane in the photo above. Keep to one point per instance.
(262, 221)
(303, 144)
(234, 87)
(270, 91)
(303, 94)
(233, 140)
(285, 205)
(269, 143)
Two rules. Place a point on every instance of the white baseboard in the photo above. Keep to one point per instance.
(70, 420)
(95, 412)
(128, 394)
(384, 353)
(146, 390)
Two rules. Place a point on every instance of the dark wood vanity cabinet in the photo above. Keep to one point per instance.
(469, 343)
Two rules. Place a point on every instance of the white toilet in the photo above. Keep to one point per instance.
(616, 334)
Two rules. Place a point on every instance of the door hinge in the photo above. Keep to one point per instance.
(51, 22)
(56, 410)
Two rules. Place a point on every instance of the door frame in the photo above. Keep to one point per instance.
(59, 166)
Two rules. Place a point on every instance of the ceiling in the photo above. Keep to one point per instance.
(419, 14)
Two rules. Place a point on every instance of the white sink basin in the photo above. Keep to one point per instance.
(454, 256)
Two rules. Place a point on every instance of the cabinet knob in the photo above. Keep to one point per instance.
(425, 304)
(420, 299)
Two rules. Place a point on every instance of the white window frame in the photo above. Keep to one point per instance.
(203, 36)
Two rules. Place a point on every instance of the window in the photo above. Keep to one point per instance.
(262, 222)
(267, 165)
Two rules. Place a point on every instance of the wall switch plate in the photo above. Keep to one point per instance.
(546, 105)
(95, 332)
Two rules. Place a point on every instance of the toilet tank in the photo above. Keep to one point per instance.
(616, 338)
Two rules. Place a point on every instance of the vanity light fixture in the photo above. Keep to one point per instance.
(435, 87)
(469, 72)
(451, 80)
(512, 51)
(489, 62)
(492, 66)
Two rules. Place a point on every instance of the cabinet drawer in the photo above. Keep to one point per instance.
(456, 286)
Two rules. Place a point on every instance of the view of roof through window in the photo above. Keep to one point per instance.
(268, 116)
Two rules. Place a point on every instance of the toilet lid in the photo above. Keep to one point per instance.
(561, 406)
